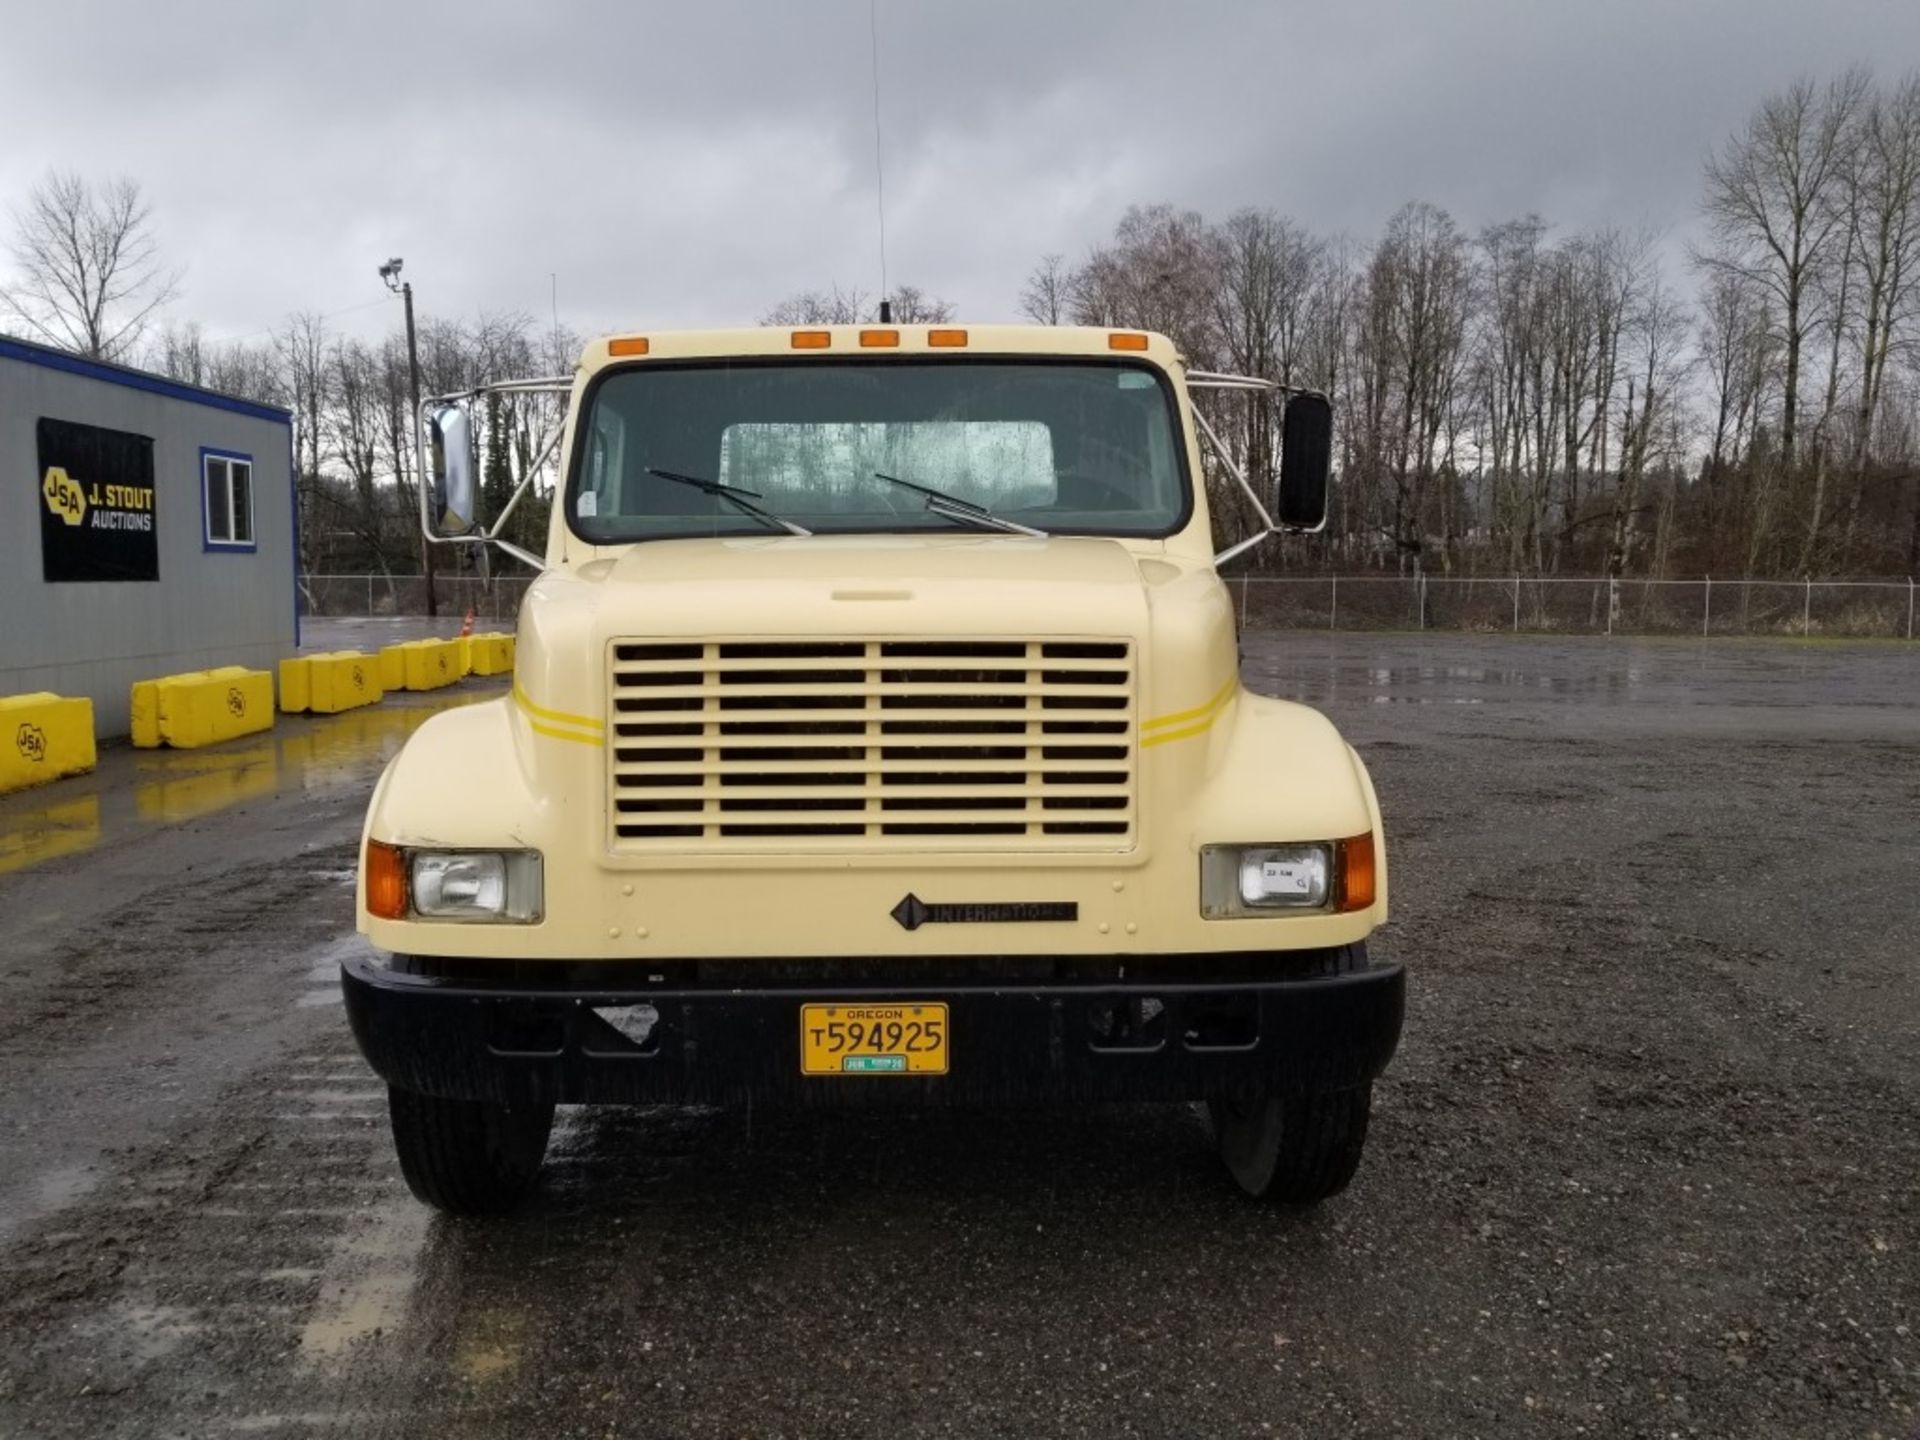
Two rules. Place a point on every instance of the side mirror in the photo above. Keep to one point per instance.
(453, 478)
(1306, 457)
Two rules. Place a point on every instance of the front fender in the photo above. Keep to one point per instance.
(465, 780)
(1279, 771)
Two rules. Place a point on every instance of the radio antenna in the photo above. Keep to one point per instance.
(879, 171)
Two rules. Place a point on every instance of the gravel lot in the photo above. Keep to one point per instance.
(1646, 1163)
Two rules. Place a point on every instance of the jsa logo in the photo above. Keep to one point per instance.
(31, 741)
(64, 496)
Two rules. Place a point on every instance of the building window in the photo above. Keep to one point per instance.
(226, 499)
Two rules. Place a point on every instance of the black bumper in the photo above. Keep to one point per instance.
(640, 1039)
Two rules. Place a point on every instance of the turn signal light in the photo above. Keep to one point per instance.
(1126, 340)
(812, 339)
(1354, 872)
(628, 345)
(385, 873)
(880, 339)
(946, 339)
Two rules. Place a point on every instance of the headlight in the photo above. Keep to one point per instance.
(475, 884)
(1244, 880)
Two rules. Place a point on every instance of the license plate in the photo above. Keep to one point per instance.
(873, 1039)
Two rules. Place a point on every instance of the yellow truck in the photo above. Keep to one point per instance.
(876, 736)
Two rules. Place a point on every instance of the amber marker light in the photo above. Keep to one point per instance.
(812, 339)
(628, 345)
(1354, 873)
(947, 339)
(385, 870)
(880, 339)
(1126, 340)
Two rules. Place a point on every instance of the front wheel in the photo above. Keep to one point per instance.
(1296, 1148)
(468, 1157)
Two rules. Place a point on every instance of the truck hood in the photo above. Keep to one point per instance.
(960, 584)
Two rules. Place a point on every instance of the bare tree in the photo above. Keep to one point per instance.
(1044, 298)
(1770, 199)
(91, 280)
(1420, 288)
(1655, 346)
(910, 305)
(1737, 354)
(832, 306)
(1509, 370)
(1155, 275)
(1885, 181)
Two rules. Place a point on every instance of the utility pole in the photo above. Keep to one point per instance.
(390, 272)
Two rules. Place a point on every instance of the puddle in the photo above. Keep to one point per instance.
(369, 1282)
(62, 827)
(136, 789)
(322, 977)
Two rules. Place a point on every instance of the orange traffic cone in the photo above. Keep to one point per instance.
(466, 625)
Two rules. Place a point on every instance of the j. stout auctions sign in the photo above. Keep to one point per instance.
(97, 512)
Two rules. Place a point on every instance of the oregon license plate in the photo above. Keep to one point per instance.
(873, 1039)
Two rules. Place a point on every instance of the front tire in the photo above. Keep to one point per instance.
(1296, 1148)
(468, 1157)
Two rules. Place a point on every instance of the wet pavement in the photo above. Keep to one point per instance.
(354, 632)
(1645, 1164)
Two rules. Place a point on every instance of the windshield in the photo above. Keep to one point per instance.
(1078, 447)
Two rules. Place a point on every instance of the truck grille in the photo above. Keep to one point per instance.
(848, 745)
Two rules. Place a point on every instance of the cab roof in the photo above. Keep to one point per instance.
(879, 342)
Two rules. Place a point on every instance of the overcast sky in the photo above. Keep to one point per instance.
(691, 163)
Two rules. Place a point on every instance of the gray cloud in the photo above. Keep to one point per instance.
(691, 164)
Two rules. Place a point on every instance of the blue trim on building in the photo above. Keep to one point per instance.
(209, 545)
(31, 354)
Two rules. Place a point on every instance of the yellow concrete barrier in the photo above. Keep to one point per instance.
(344, 680)
(330, 682)
(201, 708)
(431, 664)
(393, 667)
(42, 738)
(488, 654)
(296, 684)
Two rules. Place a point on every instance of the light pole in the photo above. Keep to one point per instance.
(390, 272)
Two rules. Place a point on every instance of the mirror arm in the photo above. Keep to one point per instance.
(423, 459)
(1211, 380)
(1221, 453)
(1234, 551)
(492, 532)
(1240, 477)
(525, 557)
(545, 385)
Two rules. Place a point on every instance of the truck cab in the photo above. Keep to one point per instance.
(876, 737)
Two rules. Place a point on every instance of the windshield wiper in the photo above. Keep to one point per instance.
(965, 512)
(733, 495)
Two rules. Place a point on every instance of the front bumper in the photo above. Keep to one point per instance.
(1182, 1028)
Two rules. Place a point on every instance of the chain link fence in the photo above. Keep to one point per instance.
(378, 595)
(1852, 609)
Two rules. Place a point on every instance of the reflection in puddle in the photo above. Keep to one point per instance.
(170, 787)
(369, 1282)
(1451, 684)
(185, 784)
(49, 830)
